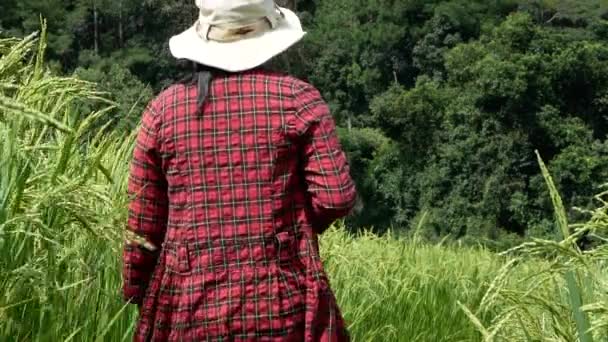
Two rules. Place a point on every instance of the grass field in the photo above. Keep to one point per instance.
(63, 209)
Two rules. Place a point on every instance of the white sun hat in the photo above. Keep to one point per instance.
(237, 35)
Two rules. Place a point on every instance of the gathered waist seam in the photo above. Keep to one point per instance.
(259, 251)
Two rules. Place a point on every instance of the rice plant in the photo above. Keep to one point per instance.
(566, 298)
(61, 206)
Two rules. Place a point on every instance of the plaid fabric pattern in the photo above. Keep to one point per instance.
(235, 198)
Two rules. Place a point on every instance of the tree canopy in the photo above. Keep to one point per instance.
(441, 103)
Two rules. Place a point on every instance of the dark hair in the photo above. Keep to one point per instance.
(191, 73)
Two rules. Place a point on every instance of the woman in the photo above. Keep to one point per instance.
(234, 175)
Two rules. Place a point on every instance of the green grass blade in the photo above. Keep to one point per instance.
(560, 212)
(576, 301)
(574, 290)
(114, 319)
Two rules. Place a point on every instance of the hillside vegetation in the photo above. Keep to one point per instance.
(441, 103)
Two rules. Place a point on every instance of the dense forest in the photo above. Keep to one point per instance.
(441, 104)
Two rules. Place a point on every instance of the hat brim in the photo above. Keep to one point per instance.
(238, 55)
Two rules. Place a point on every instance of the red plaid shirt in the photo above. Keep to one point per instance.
(234, 198)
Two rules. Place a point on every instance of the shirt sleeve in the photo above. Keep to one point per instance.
(331, 190)
(148, 209)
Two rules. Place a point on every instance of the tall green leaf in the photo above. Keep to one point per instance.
(574, 290)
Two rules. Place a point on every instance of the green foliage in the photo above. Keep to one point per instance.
(467, 140)
(372, 163)
(61, 203)
(129, 93)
